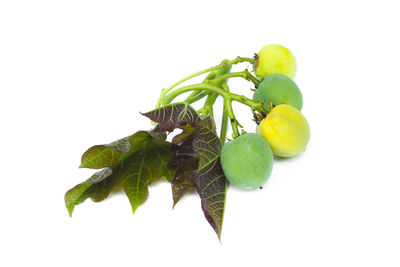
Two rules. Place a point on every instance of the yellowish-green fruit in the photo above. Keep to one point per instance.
(286, 130)
(275, 59)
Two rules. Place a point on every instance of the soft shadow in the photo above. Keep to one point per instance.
(282, 159)
(120, 190)
(116, 192)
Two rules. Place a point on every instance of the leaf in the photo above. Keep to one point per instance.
(186, 131)
(184, 178)
(184, 149)
(191, 161)
(145, 162)
(102, 156)
(173, 116)
(197, 161)
(158, 135)
(210, 180)
(86, 189)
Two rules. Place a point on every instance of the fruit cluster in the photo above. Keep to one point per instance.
(197, 158)
(284, 132)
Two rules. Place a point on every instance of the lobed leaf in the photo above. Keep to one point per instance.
(191, 161)
(145, 162)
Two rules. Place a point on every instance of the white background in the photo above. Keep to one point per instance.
(76, 73)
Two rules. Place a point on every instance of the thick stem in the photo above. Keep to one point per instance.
(237, 60)
(212, 97)
(244, 74)
(196, 97)
(224, 121)
(234, 122)
(256, 105)
(210, 76)
(208, 105)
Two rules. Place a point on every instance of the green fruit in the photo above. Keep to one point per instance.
(247, 161)
(278, 89)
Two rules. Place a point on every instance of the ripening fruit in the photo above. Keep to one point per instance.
(278, 89)
(275, 59)
(247, 161)
(286, 130)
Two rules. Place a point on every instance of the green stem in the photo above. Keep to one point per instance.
(256, 105)
(212, 97)
(208, 105)
(196, 97)
(224, 122)
(209, 77)
(231, 115)
(193, 94)
(219, 80)
(244, 74)
(237, 60)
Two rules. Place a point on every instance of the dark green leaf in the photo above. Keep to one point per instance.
(173, 116)
(145, 162)
(158, 135)
(84, 190)
(210, 180)
(102, 156)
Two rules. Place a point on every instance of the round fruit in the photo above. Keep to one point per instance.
(247, 161)
(275, 59)
(278, 89)
(286, 130)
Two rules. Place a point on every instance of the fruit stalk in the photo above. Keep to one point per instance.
(191, 98)
(237, 60)
(212, 97)
(243, 74)
(224, 121)
(196, 97)
(231, 115)
(256, 105)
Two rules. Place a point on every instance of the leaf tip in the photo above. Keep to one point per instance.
(134, 208)
(70, 213)
(70, 209)
(68, 204)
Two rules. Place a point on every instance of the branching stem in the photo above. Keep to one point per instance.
(256, 105)
(237, 60)
(243, 74)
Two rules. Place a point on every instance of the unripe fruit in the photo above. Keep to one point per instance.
(278, 89)
(247, 161)
(275, 59)
(286, 130)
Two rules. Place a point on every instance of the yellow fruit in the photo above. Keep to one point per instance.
(286, 130)
(275, 59)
